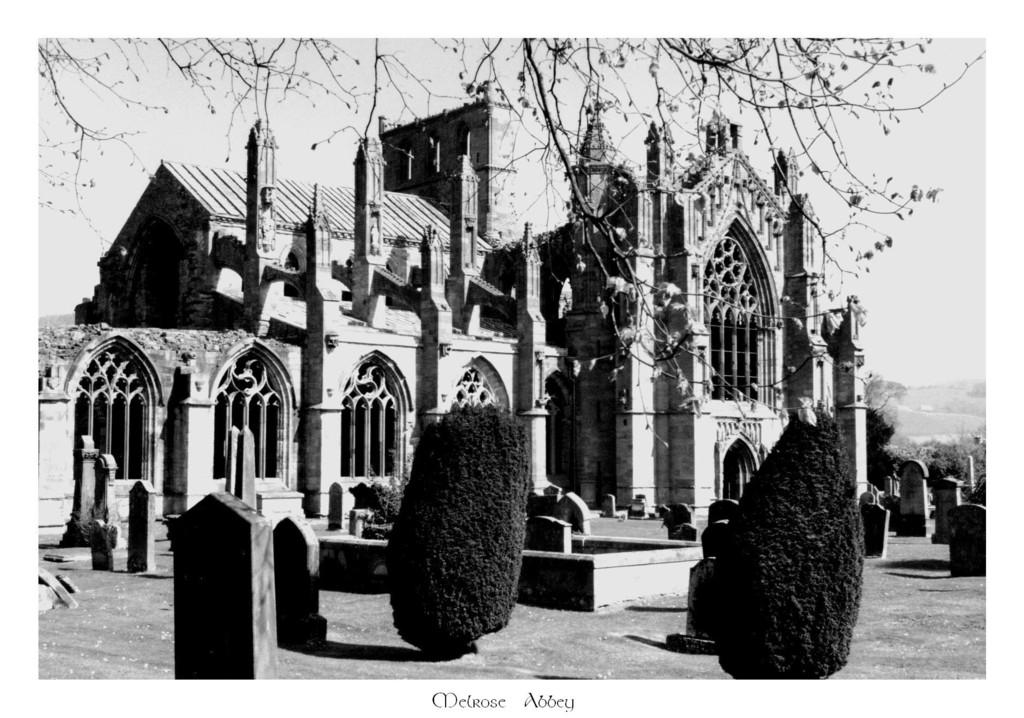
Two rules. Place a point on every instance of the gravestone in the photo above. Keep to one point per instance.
(892, 486)
(245, 476)
(638, 507)
(542, 505)
(141, 528)
(105, 507)
(546, 533)
(701, 602)
(947, 497)
(608, 506)
(103, 541)
(967, 540)
(717, 538)
(357, 521)
(683, 532)
(61, 594)
(678, 519)
(723, 510)
(572, 509)
(225, 618)
(77, 531)
(913, 499)
(231, 462)
(868, 497)
(970, 473)
(876, 530)
(296, 583)
(334, 507)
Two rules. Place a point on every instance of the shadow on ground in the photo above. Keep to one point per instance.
(656, 609)
(333, 649)
(923, 564)
(648, 642)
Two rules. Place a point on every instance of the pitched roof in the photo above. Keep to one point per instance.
(222, 194)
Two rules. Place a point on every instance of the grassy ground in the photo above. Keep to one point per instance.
(915, 622)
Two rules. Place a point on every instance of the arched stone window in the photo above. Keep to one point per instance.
(735, 310)
(113, 405)
(250, 396)
(372, 418)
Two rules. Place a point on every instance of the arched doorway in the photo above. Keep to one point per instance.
(738, 467)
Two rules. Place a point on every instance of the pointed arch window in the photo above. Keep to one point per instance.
(113, 405)
(558, 425)
(248, 397)
(371, 421)
(741, 338)
(473, 389)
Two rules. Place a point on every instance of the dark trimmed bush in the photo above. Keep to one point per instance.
(791, 581)
(455, 552)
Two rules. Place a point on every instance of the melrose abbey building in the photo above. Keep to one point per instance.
(334, 322)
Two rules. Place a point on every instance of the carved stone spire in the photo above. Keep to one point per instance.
(597, 146)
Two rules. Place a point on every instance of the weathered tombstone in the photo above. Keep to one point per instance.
(572, 509)
(678, 519)
(141, 528)
(913, 499)
(608, 506)
(357, 521)
(876, 530)
(59, 590)
(105, 506)
(947, 496)
(542, 505)
(225, 622)
(103, 540)
(296, 582)
(723, 510)
(716, 538)
(546, 533)
(868, 497)
(245, 484)
(77, 531)
(967, 540)
(892, 486)
(701, 601)
(334, 507)
(970, 473)
(231, 462)
(638, 507)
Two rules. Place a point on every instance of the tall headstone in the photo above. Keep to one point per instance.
(946, 493)
(723, 510)
(225, 618)
(892, 486)
(245, 476)
(876, 530)
(572, 509)
(103, 541)
(701, 603)
(638, 507)
(77, 531)
(357, 521)
(141, 528)
(608, 506)
(913, 499)
(296, 581)
(967, 540)
(231, 462)
(334, 507)
(546, 533)
(970, 473)
(105, 506)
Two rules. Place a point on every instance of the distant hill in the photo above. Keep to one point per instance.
(941, 411)
(57, 320)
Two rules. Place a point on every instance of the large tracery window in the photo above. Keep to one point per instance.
(112, 405)
(473, 389)
(734, 311)
(247, 398)
(370, 424)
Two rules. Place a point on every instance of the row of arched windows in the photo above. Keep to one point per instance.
(114, 400)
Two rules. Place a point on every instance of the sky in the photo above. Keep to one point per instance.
(932, 279)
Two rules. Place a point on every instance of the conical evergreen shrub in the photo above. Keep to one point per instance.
(791, 582)
(456, 549)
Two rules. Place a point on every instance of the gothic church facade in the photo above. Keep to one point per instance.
(332, 323)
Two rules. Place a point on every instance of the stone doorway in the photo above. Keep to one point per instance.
(738, 467)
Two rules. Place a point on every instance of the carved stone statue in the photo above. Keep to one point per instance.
(375, 247)
(267, 225)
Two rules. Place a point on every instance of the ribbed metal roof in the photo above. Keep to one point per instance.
(222, 193)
